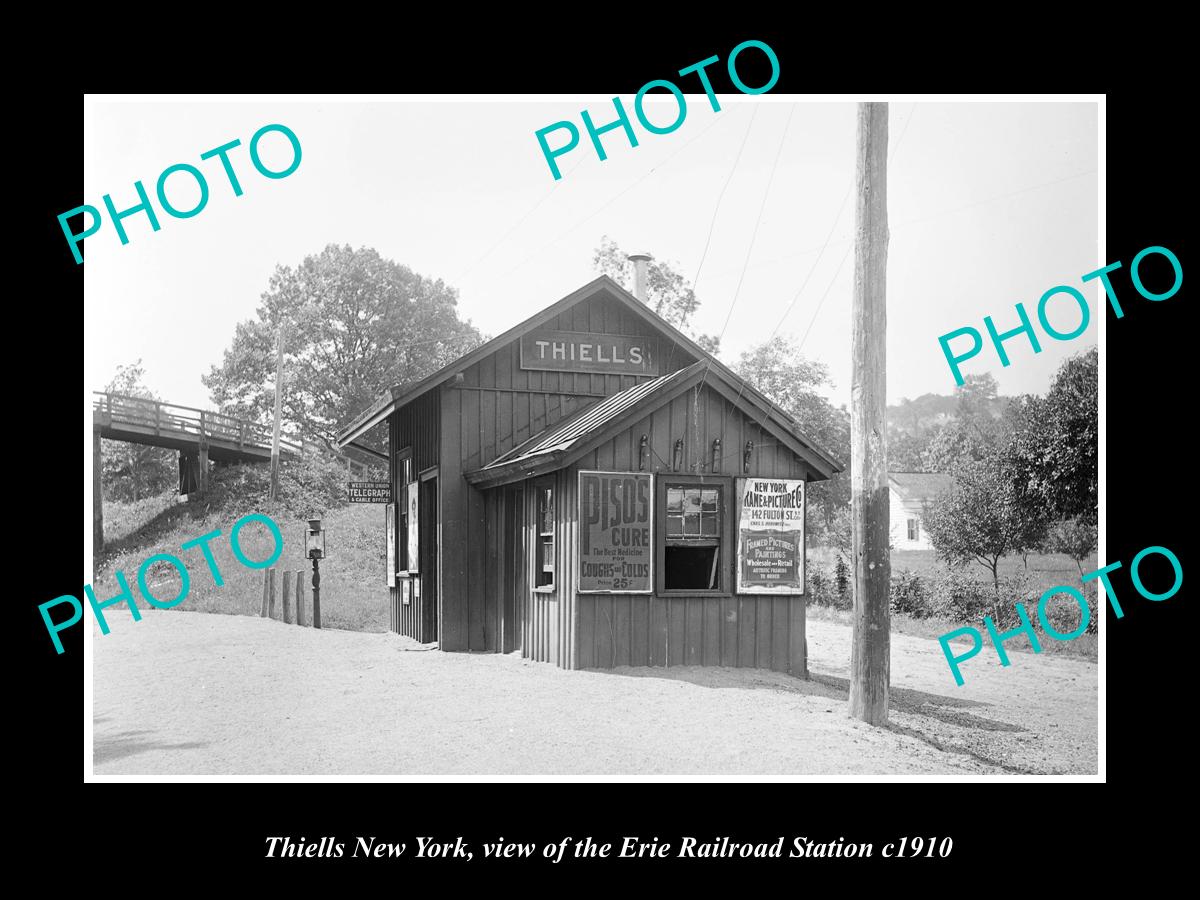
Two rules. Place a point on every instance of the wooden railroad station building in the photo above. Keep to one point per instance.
(583, 489)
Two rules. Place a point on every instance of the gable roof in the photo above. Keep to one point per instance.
(919, 485)
(562, 434)
(549, 448)
(391, 400)
(564, 442)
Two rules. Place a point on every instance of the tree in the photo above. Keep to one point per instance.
(974, 432)
(841, 576)
(668, 292)
(906, 419)
(132, 471)
(793, 382)
(1075, 537)
(358, 325)
(981, 518)
(917, 416)
(1053, 446)
(976, 398)
(956, 442)
(905, 451)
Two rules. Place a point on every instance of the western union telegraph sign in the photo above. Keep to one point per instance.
(370, 492)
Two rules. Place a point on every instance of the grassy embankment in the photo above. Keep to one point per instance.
(123, 519)
(353, 588)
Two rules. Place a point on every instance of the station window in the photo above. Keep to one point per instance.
(544, 571)
(914, 529)
(694, 551)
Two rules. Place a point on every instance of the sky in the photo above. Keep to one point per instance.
(989, 204)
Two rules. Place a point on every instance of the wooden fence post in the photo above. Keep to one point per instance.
(316, 584)
(300, 597)
(287, 597)
(266, 592)
(271, 578)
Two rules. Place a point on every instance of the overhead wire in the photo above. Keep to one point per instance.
(842, 262)
(521, 221)
(749, 252)
(775, 330)
(614, 199)
(758, 222)
(821, 251)
(828, 288)
(713, 222)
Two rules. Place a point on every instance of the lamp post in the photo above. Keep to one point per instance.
(314, 545)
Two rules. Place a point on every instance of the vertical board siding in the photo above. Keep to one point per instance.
(622, 630)
(544, 605)
(496, 406)
(478, 636)
(493, 567)
(738, 631)
(553, 625)
(717, 418)
(452, 612)
(764, 632)
(745, 630)
(417, 426)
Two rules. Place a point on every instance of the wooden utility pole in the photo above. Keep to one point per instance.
(870, 655)
(278, 411)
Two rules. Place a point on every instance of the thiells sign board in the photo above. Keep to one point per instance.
(576, 351)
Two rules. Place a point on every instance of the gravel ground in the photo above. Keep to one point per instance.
(189, 693)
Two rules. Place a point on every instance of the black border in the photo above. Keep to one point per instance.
(208, 834)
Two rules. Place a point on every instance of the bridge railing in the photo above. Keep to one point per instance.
(172, 418)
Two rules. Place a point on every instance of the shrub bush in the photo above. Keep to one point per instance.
(817, 586)
(1014, 589)
(822, 589)
(315, 483)
(908, 594)
(841, 578)
(1062, 611)
(955, 595)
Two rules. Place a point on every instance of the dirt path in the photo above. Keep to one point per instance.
(191, 693)
(1037, 716)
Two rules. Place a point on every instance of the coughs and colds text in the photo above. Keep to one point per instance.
(616, 513)
(632, 847)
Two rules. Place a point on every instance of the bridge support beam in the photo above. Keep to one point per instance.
(97, 497)
(203, 467)
(189, 472)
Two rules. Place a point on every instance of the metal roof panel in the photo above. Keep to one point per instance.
(562, 435)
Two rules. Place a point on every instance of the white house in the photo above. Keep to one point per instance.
(908, 493)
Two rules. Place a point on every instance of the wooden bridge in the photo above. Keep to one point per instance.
(184, 428)
(199, 435)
